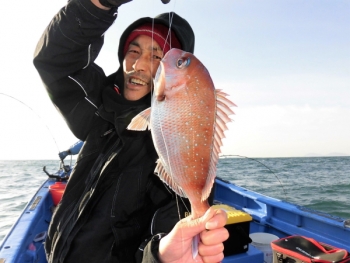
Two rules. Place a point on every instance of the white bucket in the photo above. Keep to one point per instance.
(262, 241)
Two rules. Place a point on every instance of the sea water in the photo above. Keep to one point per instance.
(321, 183)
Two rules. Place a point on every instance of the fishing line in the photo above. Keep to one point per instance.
(171, 16)
(236, 155)
(155, 101)
(43, 122)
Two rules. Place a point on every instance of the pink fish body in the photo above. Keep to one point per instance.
(187, 119)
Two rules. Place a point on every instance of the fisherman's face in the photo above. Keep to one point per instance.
(140, 66)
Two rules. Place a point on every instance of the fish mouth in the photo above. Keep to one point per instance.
(159, 86)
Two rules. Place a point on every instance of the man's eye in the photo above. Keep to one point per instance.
(157, 57)
(133, 51)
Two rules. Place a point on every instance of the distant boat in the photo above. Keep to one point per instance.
(332, 154)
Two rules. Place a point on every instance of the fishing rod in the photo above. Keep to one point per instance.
(43, 122)
(253, 159)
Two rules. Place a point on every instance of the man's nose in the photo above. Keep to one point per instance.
(141, 64)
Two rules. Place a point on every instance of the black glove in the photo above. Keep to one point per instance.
(117, 3)
(113, 3)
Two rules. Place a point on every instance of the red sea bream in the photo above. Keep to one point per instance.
(187, 119)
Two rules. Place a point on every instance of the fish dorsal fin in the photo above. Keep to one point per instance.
(166, 178)
(141, 121)
(221, 119)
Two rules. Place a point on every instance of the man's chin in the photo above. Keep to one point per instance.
(133, 94)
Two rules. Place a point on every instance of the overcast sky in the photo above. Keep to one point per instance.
(286, 64)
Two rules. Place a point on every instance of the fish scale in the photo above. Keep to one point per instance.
(187, 159)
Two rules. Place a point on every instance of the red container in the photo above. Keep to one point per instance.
(57, 190)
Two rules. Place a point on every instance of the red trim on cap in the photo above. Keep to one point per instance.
(160, 34)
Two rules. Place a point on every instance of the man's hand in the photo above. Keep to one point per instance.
(113, 3)
(176, 247)
(108, 4)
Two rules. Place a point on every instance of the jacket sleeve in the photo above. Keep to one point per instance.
(64, 58)
(163, 221)
(150, 253)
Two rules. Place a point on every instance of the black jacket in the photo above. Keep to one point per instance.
(112, 196)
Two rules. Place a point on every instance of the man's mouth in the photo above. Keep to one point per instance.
(136, 81)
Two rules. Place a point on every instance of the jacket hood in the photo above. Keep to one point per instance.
(179, 26)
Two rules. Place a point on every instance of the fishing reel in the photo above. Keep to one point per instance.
(64, 171)
(62, 174)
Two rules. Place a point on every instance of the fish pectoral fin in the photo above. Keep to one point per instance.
(166, 178)
(141, 121)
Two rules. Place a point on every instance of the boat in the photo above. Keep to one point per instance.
(269, 216)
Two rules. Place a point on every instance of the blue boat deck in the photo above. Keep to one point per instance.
(282, 219)
(19, 245)
(269, 215)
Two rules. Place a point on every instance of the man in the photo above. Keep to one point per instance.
(114, 208)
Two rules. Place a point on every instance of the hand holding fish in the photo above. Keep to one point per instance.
(176, 247)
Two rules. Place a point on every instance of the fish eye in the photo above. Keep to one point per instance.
(183, 62)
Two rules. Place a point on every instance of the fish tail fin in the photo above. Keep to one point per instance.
(195, 242)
